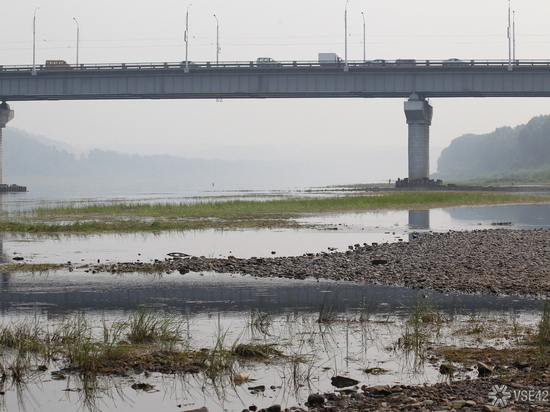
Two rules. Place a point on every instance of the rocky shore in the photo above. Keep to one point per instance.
(495, 261)
(506, 394)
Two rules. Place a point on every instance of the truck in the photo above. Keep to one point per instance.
(330, 59)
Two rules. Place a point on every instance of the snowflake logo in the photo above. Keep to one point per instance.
(499, 395)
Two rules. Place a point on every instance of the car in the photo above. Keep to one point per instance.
(405, 62)
(267, 61)
(454, 62)
(189, 64)
(376, 62)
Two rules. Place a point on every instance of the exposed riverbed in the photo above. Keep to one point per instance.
(490, 271)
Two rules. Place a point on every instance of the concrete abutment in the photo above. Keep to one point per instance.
(6, 114)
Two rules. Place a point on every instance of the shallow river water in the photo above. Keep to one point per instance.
(366, 323)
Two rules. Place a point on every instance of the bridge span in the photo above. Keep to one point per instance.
(414, 80)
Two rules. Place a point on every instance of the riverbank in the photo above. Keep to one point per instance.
(245, 212)
(494, 262)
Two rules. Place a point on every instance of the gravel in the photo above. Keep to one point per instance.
(493, 261)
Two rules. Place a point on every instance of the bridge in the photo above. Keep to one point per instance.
(414, 80)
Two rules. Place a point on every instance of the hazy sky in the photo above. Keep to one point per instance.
(152, 31)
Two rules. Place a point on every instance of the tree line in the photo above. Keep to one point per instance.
(521, 153)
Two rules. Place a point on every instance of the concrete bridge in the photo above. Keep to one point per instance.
(414, 80)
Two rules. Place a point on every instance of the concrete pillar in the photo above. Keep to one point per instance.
(6, 114)
(419, 118)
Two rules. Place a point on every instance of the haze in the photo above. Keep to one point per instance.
(338, 131)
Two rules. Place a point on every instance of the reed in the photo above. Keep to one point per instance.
(421, 327)
(147, 325)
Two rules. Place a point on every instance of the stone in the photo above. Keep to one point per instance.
(458, 404)
(315, 399)
(378, 390)
(342, 381)
(483, 369)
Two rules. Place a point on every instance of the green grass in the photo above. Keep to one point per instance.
(142, 217)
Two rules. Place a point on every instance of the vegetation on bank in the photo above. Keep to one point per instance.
(506, 155)
(135, 217)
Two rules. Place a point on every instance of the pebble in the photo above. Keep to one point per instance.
(492, 261)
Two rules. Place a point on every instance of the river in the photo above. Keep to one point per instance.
(369, 319)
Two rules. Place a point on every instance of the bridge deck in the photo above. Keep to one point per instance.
(234, 80)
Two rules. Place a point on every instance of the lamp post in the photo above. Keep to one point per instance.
(514, 36)
(34, 42)
(509, 39)
(77, 39)
(186, 69)
(346, 39)
(364, 44)
(217, 40)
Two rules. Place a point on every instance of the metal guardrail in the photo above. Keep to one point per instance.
(408, 63)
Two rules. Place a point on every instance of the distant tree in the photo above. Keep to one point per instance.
(506, 152)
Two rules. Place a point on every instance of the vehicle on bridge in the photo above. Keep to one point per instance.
(405, 62)
(454, 62)
(57, 65)
(330, 59)
(267, 61)
(376, 62)
(189, 64)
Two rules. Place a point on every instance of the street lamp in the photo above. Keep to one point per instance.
(34, 42)
(514, 36)
(364, 44)
(77, 39)
(186, 70)
(346, 39)
(509, 33)
(217, 40)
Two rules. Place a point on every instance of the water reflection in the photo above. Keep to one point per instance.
(345, 229)
(419, 219)
(65, 292)
(528, 216)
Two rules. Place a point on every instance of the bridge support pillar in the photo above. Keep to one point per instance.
(419, 118)
(6, 114)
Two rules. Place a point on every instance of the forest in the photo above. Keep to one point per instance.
(507, 154)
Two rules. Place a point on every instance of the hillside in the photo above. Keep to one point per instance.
(505, 155)
(41, 163)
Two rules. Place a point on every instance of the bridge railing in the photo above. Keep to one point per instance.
(353, 64)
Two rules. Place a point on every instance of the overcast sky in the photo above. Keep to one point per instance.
(152, 31)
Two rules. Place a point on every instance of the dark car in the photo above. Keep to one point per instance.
(454, 62)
